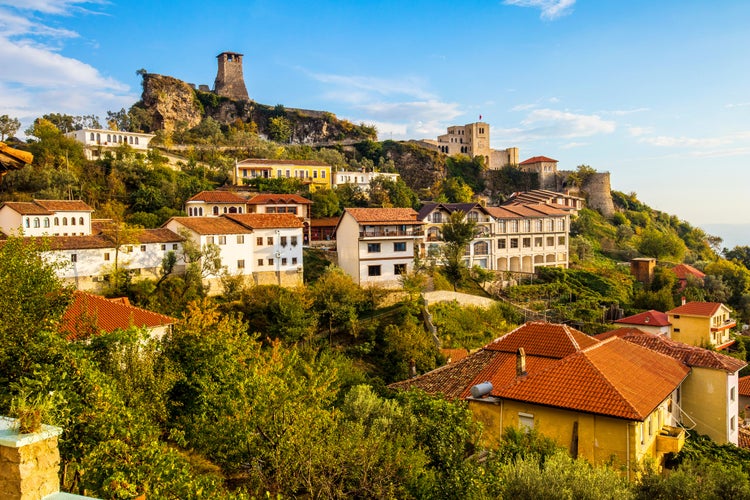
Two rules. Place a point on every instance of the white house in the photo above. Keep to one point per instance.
(283, 204)
(362, 179)
(377, 245)
(97, 140)
(650, 322)
(46, 218)
(207, 203)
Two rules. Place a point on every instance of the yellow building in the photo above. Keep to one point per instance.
(702, 324)
(606, 401)
(316, 174)
(708, 399)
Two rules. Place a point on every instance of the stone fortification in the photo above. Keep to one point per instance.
(596, 189)
(230, 80)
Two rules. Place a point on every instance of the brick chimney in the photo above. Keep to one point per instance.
(520, 362)
(29, 463)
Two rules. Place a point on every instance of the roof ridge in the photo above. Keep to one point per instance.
(571, 338)
(606, 379)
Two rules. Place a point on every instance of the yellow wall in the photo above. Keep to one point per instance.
(692, 330)
(601, 439)
(704, 400)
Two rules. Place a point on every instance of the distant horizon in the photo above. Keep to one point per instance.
(733, 235)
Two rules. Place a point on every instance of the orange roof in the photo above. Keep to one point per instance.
(743, 438)
(217, 197)
(261, 162)
(538, 338)
(27, 208)
(683, 271)
(210, 225)
(271, 199)
(688, 354)
(158, 235)
(614, 378)
(453, 355)
(19, 156)
(324, 222)
(64, 205)
(704, 309)
(744, 386)
(383, 215)
(265, 221)
(537, 159)
(648, 318)
(91, 314)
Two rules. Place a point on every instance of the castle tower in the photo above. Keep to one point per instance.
(229, 79)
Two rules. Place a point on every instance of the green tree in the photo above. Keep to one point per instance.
(8, 126)
(455, 190)
(338, 300)
(660, 245)
(739, 253)
(279, 129)
(325, 203)
(457, 233)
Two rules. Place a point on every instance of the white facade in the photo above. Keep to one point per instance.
(95, 140)
(362, 179)
(46, 218)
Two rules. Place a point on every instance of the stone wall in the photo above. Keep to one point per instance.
(596, 189)
(29, 463)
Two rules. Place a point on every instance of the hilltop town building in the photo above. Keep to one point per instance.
(96, 141)
(230, 82)
(472, 139)
(545, 168)
(313, 173)
(46, 218)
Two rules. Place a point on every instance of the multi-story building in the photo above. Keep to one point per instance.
(313, 173)
(545, 168)
(529, 236)
(46, 218)
(377, 245)
(650, 322)
(362, 179)
(96, 141)
(472, 139)
(479, 251)
(702, 324)
(215, 203)
(563, 201)
(283, 204)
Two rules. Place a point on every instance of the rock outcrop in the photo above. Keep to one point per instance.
(170, 101)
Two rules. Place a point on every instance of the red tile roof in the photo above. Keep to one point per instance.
(158, 235)
(324, 222)
(538, 338)
(210, 225)
(453, 355)
(91, 314)
(64, 205)
(688, 354)
(648, 318)
(265, 221)
(537, 159)
(383, 215)
(744, 386)
(27, 208)
(743, 438)
(703, 309)
(278, 199)
(217, 197)
(683, 271)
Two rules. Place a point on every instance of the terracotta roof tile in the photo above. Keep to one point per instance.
(324, 222)
(538, 338)
(64, 205)
(453, 355)
(105, 315)
(78, 242)
(27, 208)
(210, 225)
(276, 199)
(743, 438)
(703, 309)
(217, 197)
(744, 386)
(384, 215)
(648, 318)
(537, 159)
(683, 271)
(265, 221)
(688, 354)
(158, 235)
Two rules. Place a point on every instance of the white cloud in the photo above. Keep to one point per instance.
(551, 9)
(737, 105)
(58, 7)
(639, 131)
(551, 122)
(624, 112)
(411, 86)
(572, 145)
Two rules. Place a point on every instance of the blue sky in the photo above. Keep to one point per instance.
(655, 92)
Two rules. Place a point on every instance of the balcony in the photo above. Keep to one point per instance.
(670, 439)
(727, 324)
(390, 233)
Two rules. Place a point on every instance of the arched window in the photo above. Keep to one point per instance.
(65, 221)
(80, 220)
(200, 211)
(481, 248)
(57, 221)
(46, 222)
(27, 222)
(98, 137)
(92, 136)
(72, 221)
(131, 139)
(216, 210)
(36, 221)
(136, 141)
(232, 210)
(109, 137)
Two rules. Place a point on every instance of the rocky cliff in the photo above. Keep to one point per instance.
(169, 101)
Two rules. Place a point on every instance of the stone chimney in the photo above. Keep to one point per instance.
(520, 362)
(29, 463)
(412, 368)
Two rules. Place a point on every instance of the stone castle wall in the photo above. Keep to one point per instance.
(596, 190)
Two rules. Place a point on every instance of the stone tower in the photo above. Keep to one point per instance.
(229, 79)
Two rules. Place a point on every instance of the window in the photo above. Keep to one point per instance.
(106, 255)
(501, 226)
(270, 210)
(163, 247)
(481, 248)
(73, 257)
(143, 248)
(525, 421)
(283, 241)
(537, 242)
(129, 249)
(269, 240)
(72, 221)
(174, 246)
(216, 210)
(514, 243)
(260, 262)
(550, 241)
(373, 247)
(222, 240)
(80, 220)
(56, 221)
(294, 241)
(399, 246)
(270, 262)
(437, 217)
(561, 240)
(46, 222)
(209, 240)
(27, 222)
(731, 394)
(501, 243)
(538, 225)
(373, 270)
(240, 239)
(677, 330)
(240, 264)
(315, 174)
(399, 268)
(731, 423)
(323, 174)
(36, 222)
(294, 261)
(514, 226)
(527, 242)
(472, 216)
(259, 241)
(283, 261)
(526, 226)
